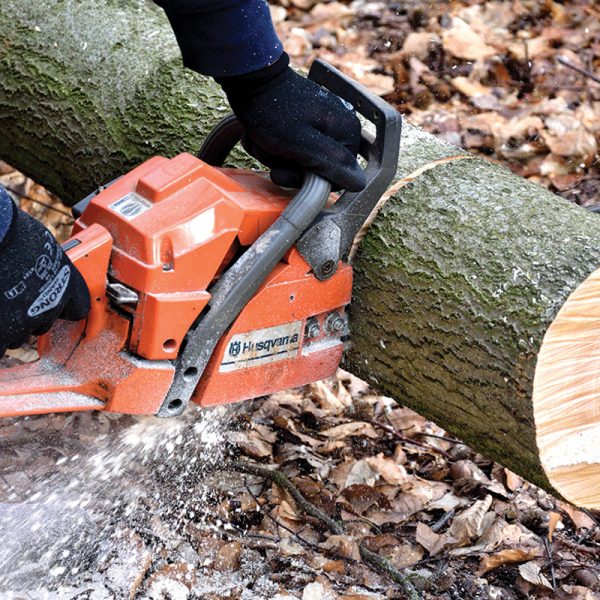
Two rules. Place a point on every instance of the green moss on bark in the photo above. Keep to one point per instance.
(90, 89)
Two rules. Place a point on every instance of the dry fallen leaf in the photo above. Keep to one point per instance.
(361, 472)
(228, 557)
(407, 421)
(405, 555)
(467, 469)
(578, 592)
(354, 428)
(289, 425)
(361, 498)
(507, 556)
(250, 443)
(468, 524)
(329, 12)
(481, 95)
(513, 481)
(388, 470)
(461, 41)
(565, 135)
(419, 44)
(579, 518)
(519, 138)
(531, 572)
(286, 511)
(342, 545)
(554, 519)
(500, 533)
(431, 541)
(324, 397)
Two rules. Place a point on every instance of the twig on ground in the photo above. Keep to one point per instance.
(438, 525)
(438, 437)
(563, 61)
(48, 206)
(551, 560)
(366, 521)
(578, 547)
(407, 440)
(374, 560)
(283, 526)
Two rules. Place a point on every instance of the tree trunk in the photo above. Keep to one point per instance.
(468, 307)
(469, 304)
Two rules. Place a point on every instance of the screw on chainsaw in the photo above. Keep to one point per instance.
(312, 329)
(335, 323)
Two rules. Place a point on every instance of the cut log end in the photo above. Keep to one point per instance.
(566, 397)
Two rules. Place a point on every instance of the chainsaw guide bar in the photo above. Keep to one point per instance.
(207, 283)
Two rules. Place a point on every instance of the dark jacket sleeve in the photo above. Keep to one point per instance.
(6, 212)
(223, 38)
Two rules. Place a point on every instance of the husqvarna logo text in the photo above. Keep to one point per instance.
(262, 346)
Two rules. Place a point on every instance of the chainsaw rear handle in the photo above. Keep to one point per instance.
(329, 238)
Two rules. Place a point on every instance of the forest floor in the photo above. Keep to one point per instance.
(97, 506)
(515, 80)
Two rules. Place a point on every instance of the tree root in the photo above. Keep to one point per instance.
(372, 559)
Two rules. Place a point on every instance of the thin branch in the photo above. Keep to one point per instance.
(282, 525)
(438, 525)
(578, 547)
(283, 482)
(407, 440)
(551, 559)
(563, 61)
(48, 206)
(438, 437)
(372, 559)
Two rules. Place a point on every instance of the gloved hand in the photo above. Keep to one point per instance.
(292, 124)
(38, 282)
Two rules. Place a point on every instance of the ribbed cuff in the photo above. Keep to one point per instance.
(224, 38)
(250, 83)
(8, 214)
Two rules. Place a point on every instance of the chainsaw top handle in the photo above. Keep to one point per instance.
(329, 238)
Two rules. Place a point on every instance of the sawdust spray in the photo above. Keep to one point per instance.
(119, 492)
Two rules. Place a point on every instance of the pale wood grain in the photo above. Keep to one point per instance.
(566, 397)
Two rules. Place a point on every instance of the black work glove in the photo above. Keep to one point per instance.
(38, 282)
(292, 125)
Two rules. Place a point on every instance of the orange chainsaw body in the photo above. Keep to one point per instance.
(150, 246)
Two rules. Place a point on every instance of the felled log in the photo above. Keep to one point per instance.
(475, 294)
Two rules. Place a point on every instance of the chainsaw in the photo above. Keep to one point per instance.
(208, 284)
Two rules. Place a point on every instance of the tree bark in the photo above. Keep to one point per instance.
(468, 282)
(88, 89)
